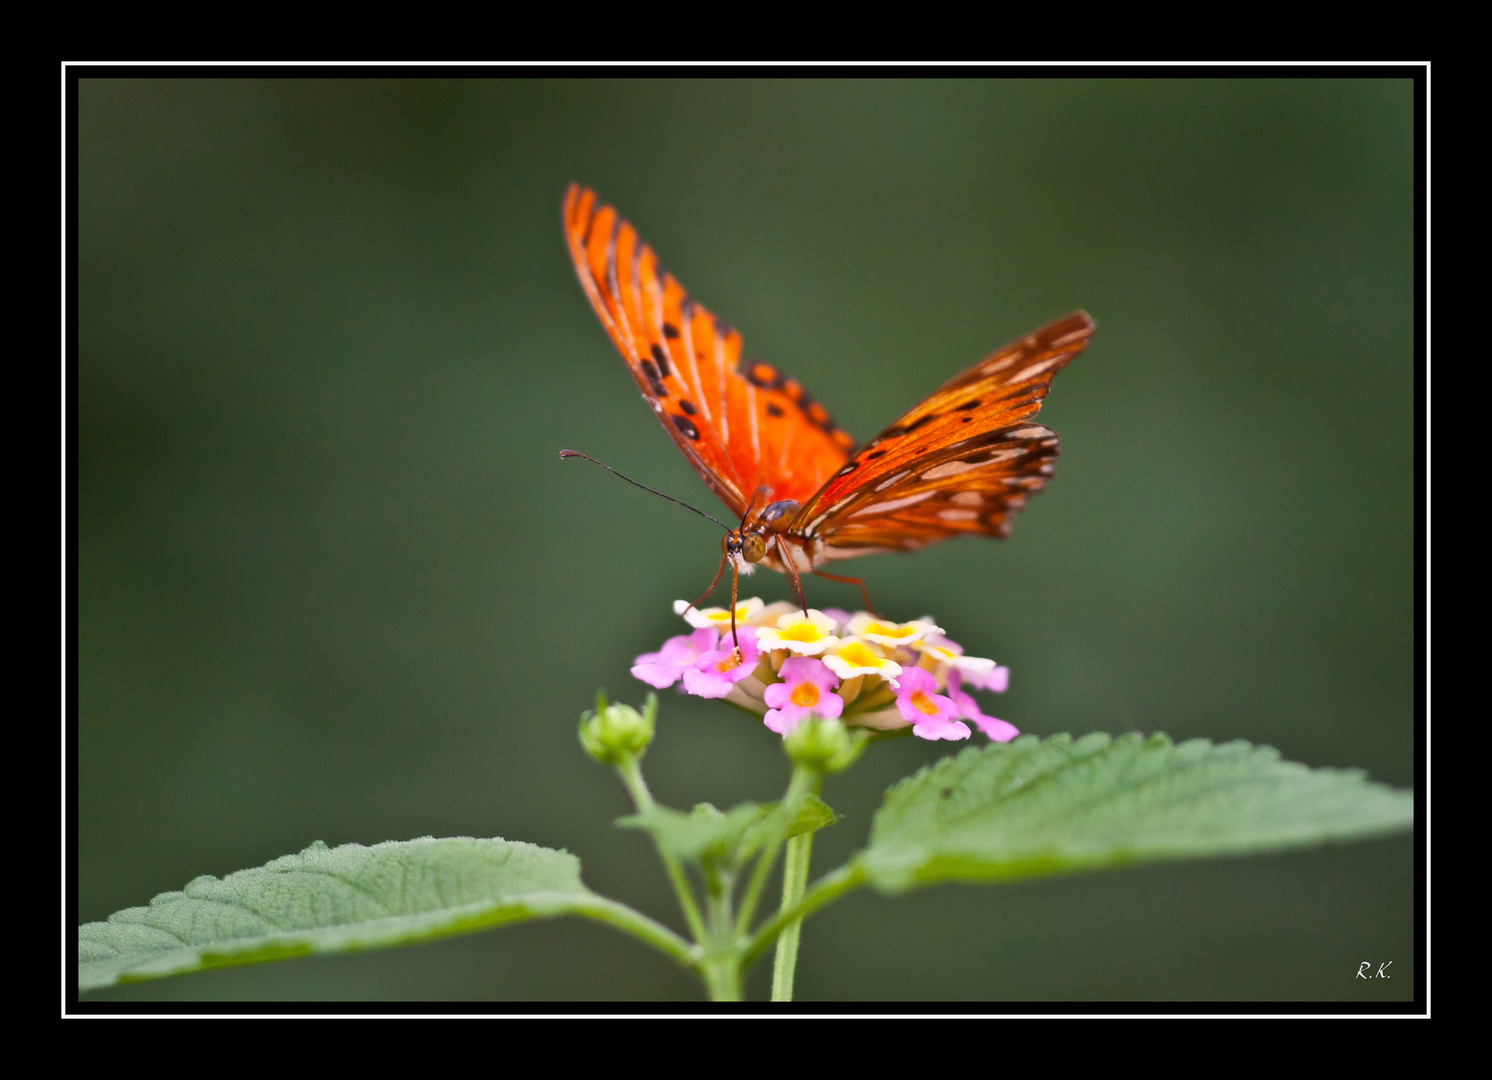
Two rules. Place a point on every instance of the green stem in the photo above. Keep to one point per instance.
(829, 887)
(618, 915)
(722, 960)
(642, 798)
(804, 780)
(794, 882)
(723, 976)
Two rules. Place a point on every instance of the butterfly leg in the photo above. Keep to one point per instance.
(735, 642)
(713, 582)
(864, 592)
(792, 573)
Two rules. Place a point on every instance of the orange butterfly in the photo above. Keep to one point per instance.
(963, 461)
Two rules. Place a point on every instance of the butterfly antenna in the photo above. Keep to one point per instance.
(634, 483)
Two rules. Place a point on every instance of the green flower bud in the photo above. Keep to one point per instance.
(610, 733)
(824, 745)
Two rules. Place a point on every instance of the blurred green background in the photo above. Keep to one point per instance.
(335, 583)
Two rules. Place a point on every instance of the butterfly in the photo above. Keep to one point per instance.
(963, 461)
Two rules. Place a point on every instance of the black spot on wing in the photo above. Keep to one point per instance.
(688, 407)
(670, 331)
(686, 425)
(906, 429)
(661, 359)
(968, 405)
(773, 410)
(655, 380)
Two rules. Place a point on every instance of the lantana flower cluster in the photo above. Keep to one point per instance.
(786, 665)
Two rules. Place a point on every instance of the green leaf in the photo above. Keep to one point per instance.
(332, 900)
(813, 814)
(702, 834)
(1030, 808)
(706, 834)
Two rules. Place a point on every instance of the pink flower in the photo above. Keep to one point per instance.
(996, 682)
(968, 708)
(716, 671)
(932, 715)
(807, 689)
(663, 668)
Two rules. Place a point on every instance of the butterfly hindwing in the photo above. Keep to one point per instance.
(972, 486)
(962, 461)
(740, 423)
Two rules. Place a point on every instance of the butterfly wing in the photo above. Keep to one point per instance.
(738, 428)
(963, 461)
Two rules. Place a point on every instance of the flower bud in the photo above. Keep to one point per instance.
(610, 733)
(824, 745)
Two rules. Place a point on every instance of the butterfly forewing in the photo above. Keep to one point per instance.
(962, 461)
(740, 423)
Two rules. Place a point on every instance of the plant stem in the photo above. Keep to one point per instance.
(642, 798)
(794, 882)
(829, 887)
(723, 976)
(722, 960)
(804, 780)
(618, 915)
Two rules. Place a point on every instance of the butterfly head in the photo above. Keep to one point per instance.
(749, 542)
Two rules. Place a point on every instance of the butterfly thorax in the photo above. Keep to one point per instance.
(765, 537)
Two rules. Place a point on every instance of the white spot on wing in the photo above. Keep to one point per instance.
(1035, 369)
(720, 375)
(830, 552)
(949, 468)
(1030, 431)
(958, 515)
(967, 498)
(884, 484)
(995, 363)
(893, 504)
(756, 444)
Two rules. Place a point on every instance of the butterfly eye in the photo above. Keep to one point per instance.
(730, 543)
(754, 548)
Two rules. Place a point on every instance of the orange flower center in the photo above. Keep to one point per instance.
(805, 694)
(923, 703)
(730, 663)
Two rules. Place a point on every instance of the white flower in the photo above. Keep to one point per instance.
(805, 635)
(853, 657)
(943, 651)
(891, 634)
(718, 618)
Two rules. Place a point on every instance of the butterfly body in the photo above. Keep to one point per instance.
(963, 461)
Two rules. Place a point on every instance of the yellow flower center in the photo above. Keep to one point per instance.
(805, 694)
(805, 632)
(889, 631)
(856, 653)
(923, 703)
